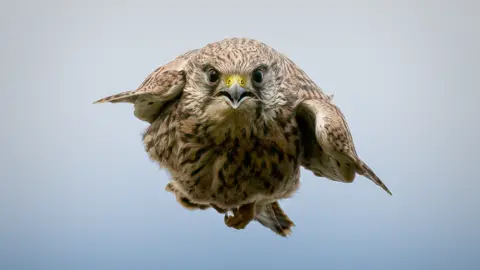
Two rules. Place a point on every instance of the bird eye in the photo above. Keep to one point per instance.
(257, 76)
(213, 76)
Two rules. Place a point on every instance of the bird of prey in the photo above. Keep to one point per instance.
(233, 122)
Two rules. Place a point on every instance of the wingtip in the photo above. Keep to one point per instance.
(382, 185)
(367, 172)
(387, 190)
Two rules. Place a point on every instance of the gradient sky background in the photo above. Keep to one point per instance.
(78, 191)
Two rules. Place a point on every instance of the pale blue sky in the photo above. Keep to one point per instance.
(77, 190)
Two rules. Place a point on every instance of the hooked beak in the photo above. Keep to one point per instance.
(236, 93)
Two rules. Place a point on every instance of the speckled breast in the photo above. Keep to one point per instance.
(228, 167)
(236, 166)
(237, 171)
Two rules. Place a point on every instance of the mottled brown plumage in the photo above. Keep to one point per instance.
(233, 122)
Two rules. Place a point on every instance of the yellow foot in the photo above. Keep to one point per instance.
(241, 217)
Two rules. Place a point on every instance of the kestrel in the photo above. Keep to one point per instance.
(233, 122)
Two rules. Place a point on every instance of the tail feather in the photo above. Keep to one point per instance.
(367, 172)
(273, 217)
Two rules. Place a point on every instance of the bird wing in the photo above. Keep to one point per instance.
(328, 147)
(329, 150)
(160, 87)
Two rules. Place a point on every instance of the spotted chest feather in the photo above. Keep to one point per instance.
(226, 164)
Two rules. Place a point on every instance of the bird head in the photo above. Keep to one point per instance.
(234, 76)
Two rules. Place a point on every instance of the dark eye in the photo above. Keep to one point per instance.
(257, 76)
(213, 76)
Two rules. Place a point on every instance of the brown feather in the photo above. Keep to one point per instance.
(329, 150)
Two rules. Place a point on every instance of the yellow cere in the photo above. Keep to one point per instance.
(232, 79)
